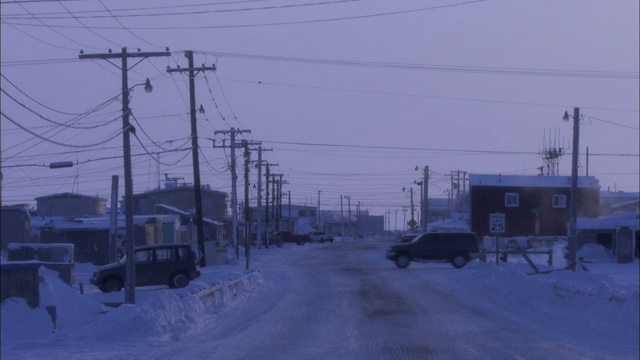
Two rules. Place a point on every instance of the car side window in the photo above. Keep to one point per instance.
(183, 253)
(144, 256)
(165, 255)
(439, 240)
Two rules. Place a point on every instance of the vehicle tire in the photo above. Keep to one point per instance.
(402, 261)
(459, 260)
(111, 284)
(179, 280)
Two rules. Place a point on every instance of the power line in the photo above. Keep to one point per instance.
(55, 142)
(613, 123)
(85, 26)
(124, 27)
(355, 17)
(59, 15)
(444, 68)
(66, 124)
(260, 82)
(54, 30)
(496, 152)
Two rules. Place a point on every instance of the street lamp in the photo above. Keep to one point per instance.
(201, 110)
(573, 210)
(147, 86)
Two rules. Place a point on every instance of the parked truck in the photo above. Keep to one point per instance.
(284, 236)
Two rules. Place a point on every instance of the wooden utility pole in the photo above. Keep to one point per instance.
(130, 287)
(247, 207)
(234, 177)
(259, 165)
(194, 150)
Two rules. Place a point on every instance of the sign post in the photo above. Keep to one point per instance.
(497, 225)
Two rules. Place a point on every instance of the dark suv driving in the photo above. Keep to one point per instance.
(457, 248)
(171, 264)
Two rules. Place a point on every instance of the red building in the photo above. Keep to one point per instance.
(533, 205)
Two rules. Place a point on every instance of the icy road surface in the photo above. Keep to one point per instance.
(346, 301)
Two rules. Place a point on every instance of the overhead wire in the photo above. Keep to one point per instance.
(54, 30)
(84, 25)
(126, 28)
(56, 142)
(283, 23)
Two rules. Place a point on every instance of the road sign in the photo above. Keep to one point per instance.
(412, 223)
(497, 223)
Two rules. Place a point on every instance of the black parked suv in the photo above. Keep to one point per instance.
(171, 264)
(457, 248)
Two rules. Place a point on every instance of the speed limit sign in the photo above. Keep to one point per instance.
(497, 223)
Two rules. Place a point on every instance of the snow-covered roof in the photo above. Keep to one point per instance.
(102, 222)
(70, 195)
(173, 209)
(16, 246)
(531, 181)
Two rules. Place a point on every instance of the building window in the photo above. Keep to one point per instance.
(559, 201)
(511, 199)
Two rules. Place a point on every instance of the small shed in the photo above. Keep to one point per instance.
(532, 205)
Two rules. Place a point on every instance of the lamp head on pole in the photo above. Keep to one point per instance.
(565, 117)
(201, 110)
(147, 86)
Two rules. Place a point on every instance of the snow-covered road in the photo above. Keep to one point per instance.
(346, 301)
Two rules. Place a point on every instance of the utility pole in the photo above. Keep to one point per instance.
(412, 207)
(234, 178)
(194, 150)
(573, 222)
(358, 223)
(266, 202)
(279, 201)
(395, 226)
(274, 196)
(342, 216)
(349, 207)
(247, 231)
(318, 212)
(130, 287)
(259, 165)
(458, 194)
(289, 210)
(113, 218)
(464, 191)
(247, 207)
(425, 200)
(573, 205)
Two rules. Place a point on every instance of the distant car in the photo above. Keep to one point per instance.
(320, 236)
(171, 264)
(456, 248)
(284, 236)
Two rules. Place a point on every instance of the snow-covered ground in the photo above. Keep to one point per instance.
(606, 296)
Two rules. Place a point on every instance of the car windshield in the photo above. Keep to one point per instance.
(408, 238)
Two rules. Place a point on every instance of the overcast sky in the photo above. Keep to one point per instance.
(350, 95)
